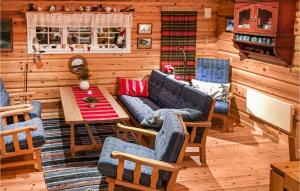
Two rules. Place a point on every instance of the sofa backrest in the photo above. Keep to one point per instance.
(156, 83)
(212, 70)
(194, 99)
(170, 138)
(4, 96)
(169, 93)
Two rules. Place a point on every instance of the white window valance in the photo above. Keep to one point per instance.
(78, 20)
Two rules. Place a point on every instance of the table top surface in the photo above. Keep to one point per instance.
(290, 169)
(72, 112)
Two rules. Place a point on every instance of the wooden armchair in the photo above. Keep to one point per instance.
(20, 138)
(20, 98)
(138, 167)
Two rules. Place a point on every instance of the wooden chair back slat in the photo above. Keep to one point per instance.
(16, 142)
(137, 173)
(15, 118)
(120, 169)
(154, 177)
(2, 144)
(4, 121)
(26, 116)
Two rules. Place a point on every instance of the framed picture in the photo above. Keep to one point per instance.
(229, 24)
(144, 43)
(144, 28)
(6, 34)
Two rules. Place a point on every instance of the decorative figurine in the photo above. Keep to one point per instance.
(52, 8)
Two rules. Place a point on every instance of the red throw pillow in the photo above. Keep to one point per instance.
(133, 87)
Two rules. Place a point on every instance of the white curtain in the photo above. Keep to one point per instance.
(78, 19)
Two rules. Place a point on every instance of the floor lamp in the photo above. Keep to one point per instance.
(184, 63)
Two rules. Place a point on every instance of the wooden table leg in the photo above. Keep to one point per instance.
(92, 138)
(72, 140)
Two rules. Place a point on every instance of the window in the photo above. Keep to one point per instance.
(93, 33)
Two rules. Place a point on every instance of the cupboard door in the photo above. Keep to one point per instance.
(243, 17)
(265, 19)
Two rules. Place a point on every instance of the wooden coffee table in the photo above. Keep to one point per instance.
(73, 117)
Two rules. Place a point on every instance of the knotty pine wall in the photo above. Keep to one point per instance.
(105, 68)
(280, 82)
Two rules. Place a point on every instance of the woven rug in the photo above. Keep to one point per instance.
(78, 174)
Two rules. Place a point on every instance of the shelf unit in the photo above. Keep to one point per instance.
(264, 30)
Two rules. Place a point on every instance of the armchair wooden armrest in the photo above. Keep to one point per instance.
(21, 96)
(139, 161)
(195, 126)
(138, 132)
(16, 109)
(16, 144)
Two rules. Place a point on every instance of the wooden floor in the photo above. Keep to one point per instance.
(237, 161)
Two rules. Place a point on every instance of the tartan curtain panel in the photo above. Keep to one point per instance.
(178, 31)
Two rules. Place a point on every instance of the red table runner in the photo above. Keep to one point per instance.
(103, 109)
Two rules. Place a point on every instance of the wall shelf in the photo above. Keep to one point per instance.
(264, 30)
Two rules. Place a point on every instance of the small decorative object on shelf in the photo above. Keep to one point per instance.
(91, 100)
(264, 30)
(52, 8)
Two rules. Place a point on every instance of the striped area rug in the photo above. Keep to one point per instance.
(78, 174)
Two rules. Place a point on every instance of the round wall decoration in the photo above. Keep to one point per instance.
(76, 63)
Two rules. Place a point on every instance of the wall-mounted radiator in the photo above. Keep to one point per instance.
(270, 109)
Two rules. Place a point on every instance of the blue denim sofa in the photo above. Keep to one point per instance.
(166, 92)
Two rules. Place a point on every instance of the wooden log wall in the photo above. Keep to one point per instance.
(280, 82)
(105, 68)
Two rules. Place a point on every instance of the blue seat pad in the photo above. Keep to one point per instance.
(37, 109)
(139, 107)
(108, 166)
(221, 107)
(38, 135)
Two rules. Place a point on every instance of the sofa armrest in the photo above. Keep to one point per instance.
(139, 161)
(195, 126)
(138, 132)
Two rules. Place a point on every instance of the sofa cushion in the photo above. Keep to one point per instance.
(194, 99)
(170, 92)
(133, 87)
(139, 107)
(221, 107)
(5, 99)
(37, 109)
(156, 118)
(156, 83)
(108, 166)
(217, 91)
(38, 135)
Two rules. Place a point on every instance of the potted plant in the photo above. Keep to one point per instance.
(84, 76)
(91, 100)
(168, 69)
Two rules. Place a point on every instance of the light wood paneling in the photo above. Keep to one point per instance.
(105, 68)
(280, 82)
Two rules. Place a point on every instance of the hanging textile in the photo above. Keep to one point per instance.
(78, 20)
(178, 33)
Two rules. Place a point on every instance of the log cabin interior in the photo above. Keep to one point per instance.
(150, 95)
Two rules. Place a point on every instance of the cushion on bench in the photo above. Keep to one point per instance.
(170, 92)
(108, 166)
(139, 107)
(156, 83)
(4, 96)
(38, 135)
(221, 107)
(194, 99)
(37, 109)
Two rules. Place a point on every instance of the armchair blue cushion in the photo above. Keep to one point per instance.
(168, 144)
(38, 135)
(215, 71)
(212, 70)
(5, 101)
